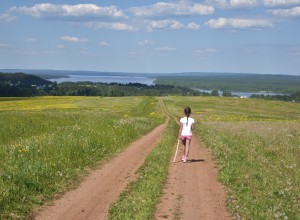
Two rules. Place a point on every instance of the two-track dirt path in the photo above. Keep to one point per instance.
(93, 198)
(192, 191)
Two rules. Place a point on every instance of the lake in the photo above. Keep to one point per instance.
(241, 94)
(106, 79)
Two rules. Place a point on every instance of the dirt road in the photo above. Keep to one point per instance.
(92, 199)
(192, 190)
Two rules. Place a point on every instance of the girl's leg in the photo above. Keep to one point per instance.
(187, 148)
(183, 148)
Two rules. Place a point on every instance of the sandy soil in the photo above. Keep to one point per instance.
(192, 190)
(93, 198)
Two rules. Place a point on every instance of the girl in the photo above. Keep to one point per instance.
(185, 132)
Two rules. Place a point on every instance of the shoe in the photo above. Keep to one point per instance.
(184, 160)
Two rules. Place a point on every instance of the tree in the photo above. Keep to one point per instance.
(214, 92)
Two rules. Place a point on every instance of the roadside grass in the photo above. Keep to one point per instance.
(139, 199)
(47, 143)
(256, 145)
(260, 166)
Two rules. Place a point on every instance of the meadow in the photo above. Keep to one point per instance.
(48, 143)
(256, 145)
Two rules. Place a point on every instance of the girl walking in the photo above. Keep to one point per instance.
(185, 132)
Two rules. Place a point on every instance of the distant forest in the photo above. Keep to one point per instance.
(285, 84)
(24, 85)
(20, 84)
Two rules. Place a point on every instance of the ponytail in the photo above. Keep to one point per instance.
(187, 112)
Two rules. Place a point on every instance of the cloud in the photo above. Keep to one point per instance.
(80, 12)
(292, 12)
(61, 46)
(272, 3)
(145, 42)
(118, 26)
(73, 39)
(171, 9)
(207, 50)
(31, 40)
(211, 50)
(163, 25)
(238, 23)
(170, 49)
(233, 3)
(5, 18)
(193, 26)
(4, 45)
(104, 43)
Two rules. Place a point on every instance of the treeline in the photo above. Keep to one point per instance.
(295, 97)
(117, 89)
(94, 89)
(238, 82)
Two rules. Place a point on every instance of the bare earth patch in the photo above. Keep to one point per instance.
(192, 190)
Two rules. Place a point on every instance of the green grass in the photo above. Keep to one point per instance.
(259, 163)
(47, 143)
(139, 199)
(256, 145)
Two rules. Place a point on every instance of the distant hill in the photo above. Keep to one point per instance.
(22, 78)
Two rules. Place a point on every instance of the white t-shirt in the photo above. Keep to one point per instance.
(187, 128)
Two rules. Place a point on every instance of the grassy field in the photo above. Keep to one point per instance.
(256, 145)
(47, 143)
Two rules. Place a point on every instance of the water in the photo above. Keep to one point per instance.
(106, 79)
(248, 94)
(241, 94)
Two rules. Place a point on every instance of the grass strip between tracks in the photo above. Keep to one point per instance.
(139, 199)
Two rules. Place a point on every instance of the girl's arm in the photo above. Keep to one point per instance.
(180, 130)
(193, 126)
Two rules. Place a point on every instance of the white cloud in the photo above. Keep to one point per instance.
(136, 53)
(32, 40)
(146, 42)
(292, 12)
(166, 49)
(78, 12)
(238, 23)
(104, 43)
(170, 9)
(61, 46)
(163, 24)
(4, 45)
(73, 39)
(233, 3)
(4, 18)
(272, 3)
(193, 26)
(207, 50)
(118, 26)
(211, 50)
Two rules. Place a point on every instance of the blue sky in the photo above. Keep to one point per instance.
(252, 36)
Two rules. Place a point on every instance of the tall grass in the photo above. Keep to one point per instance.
(139, 199)
(259, 163)
(256, 145)
(47, 143)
